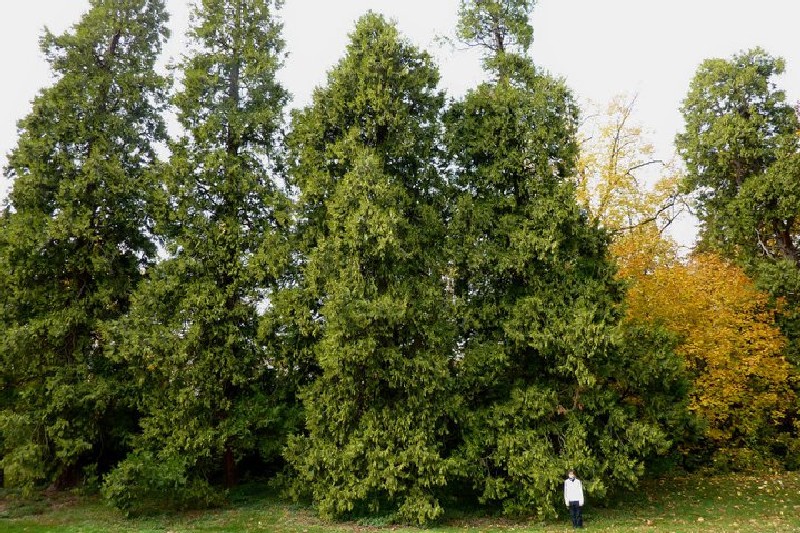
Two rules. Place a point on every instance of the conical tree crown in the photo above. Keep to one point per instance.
(536, 300)
(76, 238)
(208, 388)
(382, 96)
(363, 156)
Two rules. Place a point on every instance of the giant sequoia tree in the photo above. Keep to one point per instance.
(207, 386)
(545, 380)
(370, 212)
(74, 241)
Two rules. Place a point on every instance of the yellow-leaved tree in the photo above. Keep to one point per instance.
(730, 343)
(724, 327)
(627, 189)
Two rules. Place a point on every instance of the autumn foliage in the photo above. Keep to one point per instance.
(725, 327)
(730, 343)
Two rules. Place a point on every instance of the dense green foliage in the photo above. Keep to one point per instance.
(399, 304)
(370, 199)
(543, 369)
(75, 241)
(741, 152)
(207, 391)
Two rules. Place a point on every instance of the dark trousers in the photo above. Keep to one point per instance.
(575, 513)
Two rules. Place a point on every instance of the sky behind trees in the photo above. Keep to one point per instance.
(650, 49)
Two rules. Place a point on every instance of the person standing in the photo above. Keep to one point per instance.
(573, 497)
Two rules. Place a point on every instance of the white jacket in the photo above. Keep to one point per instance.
(573, 491)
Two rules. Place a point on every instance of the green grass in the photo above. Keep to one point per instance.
(730, 503)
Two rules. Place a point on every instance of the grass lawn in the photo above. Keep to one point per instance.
(731, 503)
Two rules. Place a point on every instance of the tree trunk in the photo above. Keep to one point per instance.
(230, 468)
(67, 479)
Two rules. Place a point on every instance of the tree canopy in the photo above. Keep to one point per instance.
(388, 302)
(364, 155)
(533, 282)
(740, 146)
(208, 392)
(76, 239)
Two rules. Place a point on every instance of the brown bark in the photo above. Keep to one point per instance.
(230, 468)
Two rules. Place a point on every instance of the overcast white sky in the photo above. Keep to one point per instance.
(602, 48)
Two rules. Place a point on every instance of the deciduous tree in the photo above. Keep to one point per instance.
(626, 189)
(732, 348)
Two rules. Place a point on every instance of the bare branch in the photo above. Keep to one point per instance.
(673, 200)
(635, 167)
(762, 245)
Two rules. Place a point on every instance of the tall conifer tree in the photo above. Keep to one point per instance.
(208, 396)
(741, 149)
(370, 205)
(74, 240)
(541, 370)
